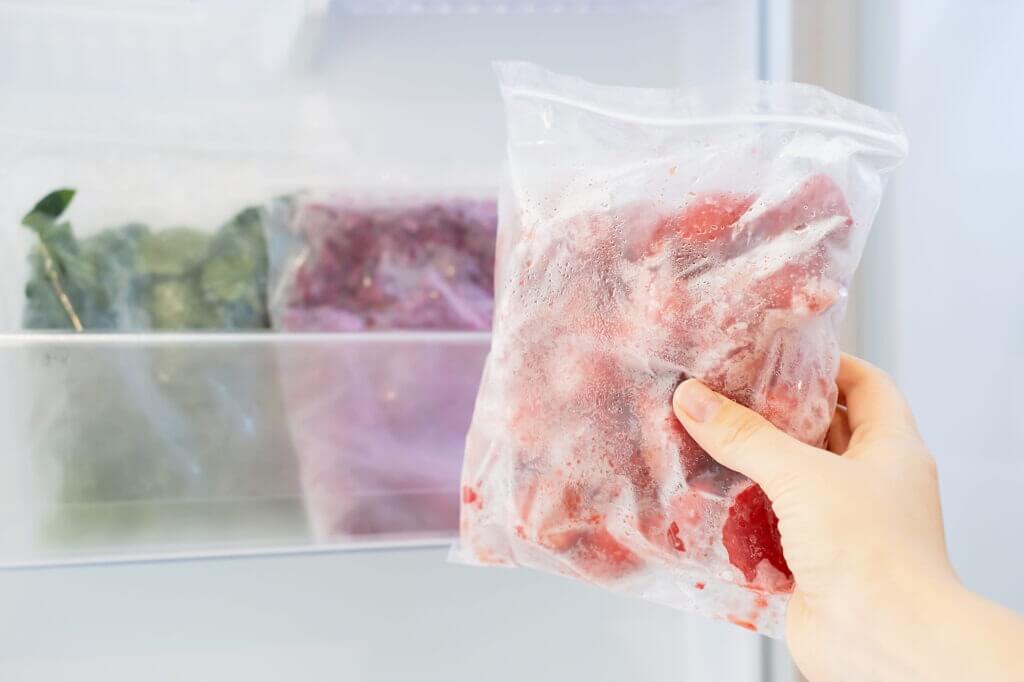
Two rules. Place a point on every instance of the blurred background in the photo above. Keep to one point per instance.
(176, 108)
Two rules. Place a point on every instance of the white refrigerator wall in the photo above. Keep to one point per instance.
(954, 286)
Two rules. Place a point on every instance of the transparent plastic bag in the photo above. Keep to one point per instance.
(348, 264)
(132, 277)
(647, 236)
(378, 455)
(175, 423)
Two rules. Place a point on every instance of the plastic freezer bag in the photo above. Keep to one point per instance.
(374, 264)
(178, 423)
(379, 422)
(132, 277)
(647, 236)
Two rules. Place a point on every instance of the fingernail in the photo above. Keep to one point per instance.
(696, 400)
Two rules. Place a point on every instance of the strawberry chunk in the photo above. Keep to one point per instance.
(817, 198)
(709, 219)
(751, 534)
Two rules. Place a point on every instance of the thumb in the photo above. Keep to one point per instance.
(740, 438)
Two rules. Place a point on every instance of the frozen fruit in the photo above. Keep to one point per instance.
(707, 219)
(646, 237)
(380, 428)
(174, 423)
(751, 534)
(384, 266)
(601, 474)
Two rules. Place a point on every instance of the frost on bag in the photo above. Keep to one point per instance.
(648, 236)
(379, 422)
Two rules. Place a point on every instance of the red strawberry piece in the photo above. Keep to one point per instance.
(817, 198)
(800, 287)
(751, 534)
(709, 219)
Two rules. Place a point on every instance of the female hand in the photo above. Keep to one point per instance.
(875, 597)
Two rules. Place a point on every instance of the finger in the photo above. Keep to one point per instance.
(839, 431)
(872, 397)
(740, 438)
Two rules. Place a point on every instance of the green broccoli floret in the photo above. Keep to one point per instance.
(131, 277)
(234, 275)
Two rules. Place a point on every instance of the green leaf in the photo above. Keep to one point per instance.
(48, 209)
(42, 219)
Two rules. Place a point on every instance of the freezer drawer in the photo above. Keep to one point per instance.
(144, 445)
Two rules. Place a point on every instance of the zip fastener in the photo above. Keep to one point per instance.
(898, 142)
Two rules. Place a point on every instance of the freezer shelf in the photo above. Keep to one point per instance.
(130, 446)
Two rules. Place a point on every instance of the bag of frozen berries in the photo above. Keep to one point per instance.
(647, 236)
(378, 412)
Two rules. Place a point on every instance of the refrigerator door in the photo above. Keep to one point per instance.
(943, 306)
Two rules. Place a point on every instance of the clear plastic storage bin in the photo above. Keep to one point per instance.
(132, 443)
(135, 444)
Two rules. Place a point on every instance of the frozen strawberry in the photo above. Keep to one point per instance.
(816, 199)
(606, 480)
(598, 554)
(708, 219)
(751, 534)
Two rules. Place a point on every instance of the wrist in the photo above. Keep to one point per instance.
(904, 624)
(922, 629)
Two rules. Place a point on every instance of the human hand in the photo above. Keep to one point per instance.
(862, 532)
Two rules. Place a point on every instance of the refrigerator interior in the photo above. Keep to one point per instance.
(149, 116)
(178, 112)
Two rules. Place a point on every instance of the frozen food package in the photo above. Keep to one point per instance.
(380, 428)
(647, 236)
(178, 423)
(132, 277)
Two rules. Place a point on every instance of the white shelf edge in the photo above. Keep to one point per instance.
(257, 337)
(439, 542)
